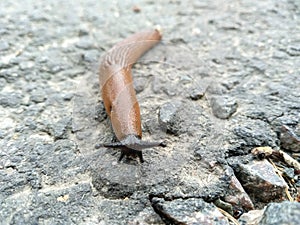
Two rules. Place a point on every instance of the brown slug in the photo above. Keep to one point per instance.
(119, 96)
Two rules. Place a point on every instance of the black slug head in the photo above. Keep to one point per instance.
(131, 146)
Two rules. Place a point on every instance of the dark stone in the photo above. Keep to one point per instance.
(188, 211)
(100, 114)
(83, 32)
(259, 179)
(34, 179)
(289, 139)
(281, 213)
(167, 116)
(237, 196)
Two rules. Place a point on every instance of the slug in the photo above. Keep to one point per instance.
(119, 96)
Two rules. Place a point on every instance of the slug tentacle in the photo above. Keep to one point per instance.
(132, 145)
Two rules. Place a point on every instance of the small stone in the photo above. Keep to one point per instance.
(2, 134)
(196, 94)
(38, 96)
(55, 69)
(83, 32)
(85, 43)
(226, 25)
(281, 213)
(260, 180)
(90, 56)
(59, 129)
(139, 84)
(167, 116)
(31, 124)
(289, 172)
(293, 50)
(26, 65)
(147, 216)
(188, 211)
(251, 217)
(279, 55)
(258, 64)
(100, 114)
(289, 139)
(68, 96)
(136, 9)
(238, 197)
(223, 106)
(63, 198)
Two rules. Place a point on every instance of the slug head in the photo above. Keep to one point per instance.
(131, 146)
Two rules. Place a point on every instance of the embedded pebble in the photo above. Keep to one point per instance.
(38, 96)
(59, 129)
(10, 99)
(167, 116)
(223, 106)
(4, 45)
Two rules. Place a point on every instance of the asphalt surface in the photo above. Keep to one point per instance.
(224, 79)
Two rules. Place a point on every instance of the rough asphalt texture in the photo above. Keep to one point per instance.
(224, 79)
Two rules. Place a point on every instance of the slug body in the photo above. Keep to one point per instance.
(118, 93)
